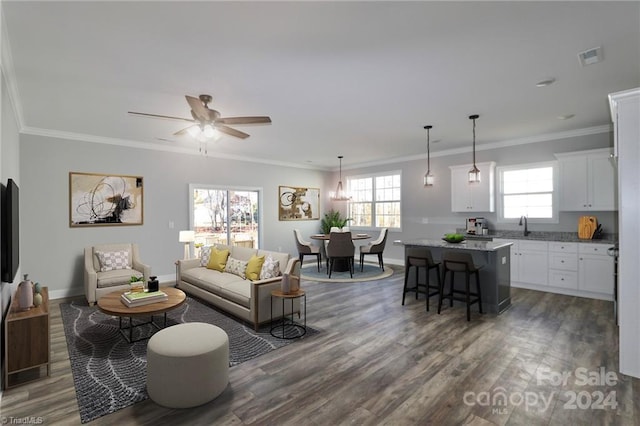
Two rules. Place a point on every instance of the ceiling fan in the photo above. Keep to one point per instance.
(207, 120)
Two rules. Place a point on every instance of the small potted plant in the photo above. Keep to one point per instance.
(136, 283)
(331, 219)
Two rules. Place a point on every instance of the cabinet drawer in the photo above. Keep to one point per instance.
(565, 262)
(525, 245)
(563, 247)
(593, 249)
(564, 279)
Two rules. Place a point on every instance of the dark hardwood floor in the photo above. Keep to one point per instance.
(378, 362)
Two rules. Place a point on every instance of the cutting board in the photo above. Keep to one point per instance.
(586, 227)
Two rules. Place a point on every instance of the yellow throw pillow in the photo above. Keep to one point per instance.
(218, 259)
(254, 267)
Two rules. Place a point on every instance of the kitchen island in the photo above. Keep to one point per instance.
(495, 275)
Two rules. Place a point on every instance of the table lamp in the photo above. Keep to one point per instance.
(187, 237)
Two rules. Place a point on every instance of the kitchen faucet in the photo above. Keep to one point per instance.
(526, 231)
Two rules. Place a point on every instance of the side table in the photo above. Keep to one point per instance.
(288, 328)
(26, 342)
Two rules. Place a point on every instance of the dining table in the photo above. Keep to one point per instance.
(340, 265)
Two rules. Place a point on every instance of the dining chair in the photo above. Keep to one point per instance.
(305, 248)
(375, 247)
(458, 261)
(341, 248)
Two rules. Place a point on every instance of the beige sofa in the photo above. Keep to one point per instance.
(243, 298)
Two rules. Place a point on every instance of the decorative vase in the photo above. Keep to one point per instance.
(37, 288)
(153, 284)
(25, 293)
(285, 285)
(37, 299)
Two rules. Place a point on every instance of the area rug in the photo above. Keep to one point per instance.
(309, 271)
(110, 374)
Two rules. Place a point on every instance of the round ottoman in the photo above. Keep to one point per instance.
(187, 364)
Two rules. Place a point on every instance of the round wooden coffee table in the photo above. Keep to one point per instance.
(111, 304)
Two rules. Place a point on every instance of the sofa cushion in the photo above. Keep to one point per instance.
(254, 266)
(115, 277)
(270, 268)
(205, 255)
(218, 259)
(113, 260)
(242, 253)
(236, 267)
(226, 285)
(204, 278)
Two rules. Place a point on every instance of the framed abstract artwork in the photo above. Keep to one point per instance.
(104, 200)
(295, 203)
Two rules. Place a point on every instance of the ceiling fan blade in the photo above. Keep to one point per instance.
(245, 120)
(232, 132)
(168, 117)
(198, 108)
(183, 131)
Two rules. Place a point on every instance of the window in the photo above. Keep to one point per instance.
(528, 190)
(375, 201)
(225, 216)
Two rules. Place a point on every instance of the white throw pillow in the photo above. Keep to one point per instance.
(205, 255)
(270, 268)
(113, 260)
(236, 267)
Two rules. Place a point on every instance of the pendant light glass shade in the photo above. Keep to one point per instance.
(340, 194)
(474, 173)
(428, 177)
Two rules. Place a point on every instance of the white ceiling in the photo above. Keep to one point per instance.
(358, 79)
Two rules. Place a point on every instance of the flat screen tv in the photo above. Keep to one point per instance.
(10, 249)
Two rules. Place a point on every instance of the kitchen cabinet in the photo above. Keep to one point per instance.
(595, 269)
(528, 259)
(563, 265)
(587, 181)
(476, 197)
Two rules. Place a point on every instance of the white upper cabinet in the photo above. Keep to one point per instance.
(476, 197)
(587, 181)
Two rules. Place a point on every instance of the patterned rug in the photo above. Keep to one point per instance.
(110, 374)
(370, 272)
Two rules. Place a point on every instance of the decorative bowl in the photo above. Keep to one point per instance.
(454, 239)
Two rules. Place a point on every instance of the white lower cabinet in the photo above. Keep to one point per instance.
(580, 269)
(595, 269)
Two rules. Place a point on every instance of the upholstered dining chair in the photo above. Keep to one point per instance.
(375, 247)
(341, 248)
(305, 248)
(109, 267)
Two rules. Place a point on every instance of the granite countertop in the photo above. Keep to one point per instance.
(465, 245)
(569, 237)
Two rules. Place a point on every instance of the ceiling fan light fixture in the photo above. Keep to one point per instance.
(340, 194)
(428, 177)
(474, 173)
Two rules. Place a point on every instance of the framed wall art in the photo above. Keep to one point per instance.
(295, 203)
(104, 200)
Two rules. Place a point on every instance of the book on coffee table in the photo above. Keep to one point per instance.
(142, 298)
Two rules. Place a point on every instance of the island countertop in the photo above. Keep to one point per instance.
(465, 245)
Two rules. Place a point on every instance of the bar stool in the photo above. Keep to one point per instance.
(458, 261)
(421, 258)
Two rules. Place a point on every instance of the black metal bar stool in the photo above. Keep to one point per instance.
(421, 258)
(458, 261)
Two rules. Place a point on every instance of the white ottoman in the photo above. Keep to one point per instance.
(187, 364)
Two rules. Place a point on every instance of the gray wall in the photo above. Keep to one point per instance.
(53, 251)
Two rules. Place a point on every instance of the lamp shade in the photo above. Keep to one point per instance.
(187, 236)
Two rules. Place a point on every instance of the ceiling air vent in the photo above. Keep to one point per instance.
(590, 56)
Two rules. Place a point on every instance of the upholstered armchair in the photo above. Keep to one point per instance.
(375, 247)
(305, 248)
(109, 267)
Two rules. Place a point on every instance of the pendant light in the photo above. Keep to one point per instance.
(474, 173)
(340, 195)
(428, 177)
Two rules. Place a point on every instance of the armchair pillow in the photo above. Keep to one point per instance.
(254, 267)
(113, 260)
(218, 259)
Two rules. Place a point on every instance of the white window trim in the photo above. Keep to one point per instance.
(373, 176)
(556, 189)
